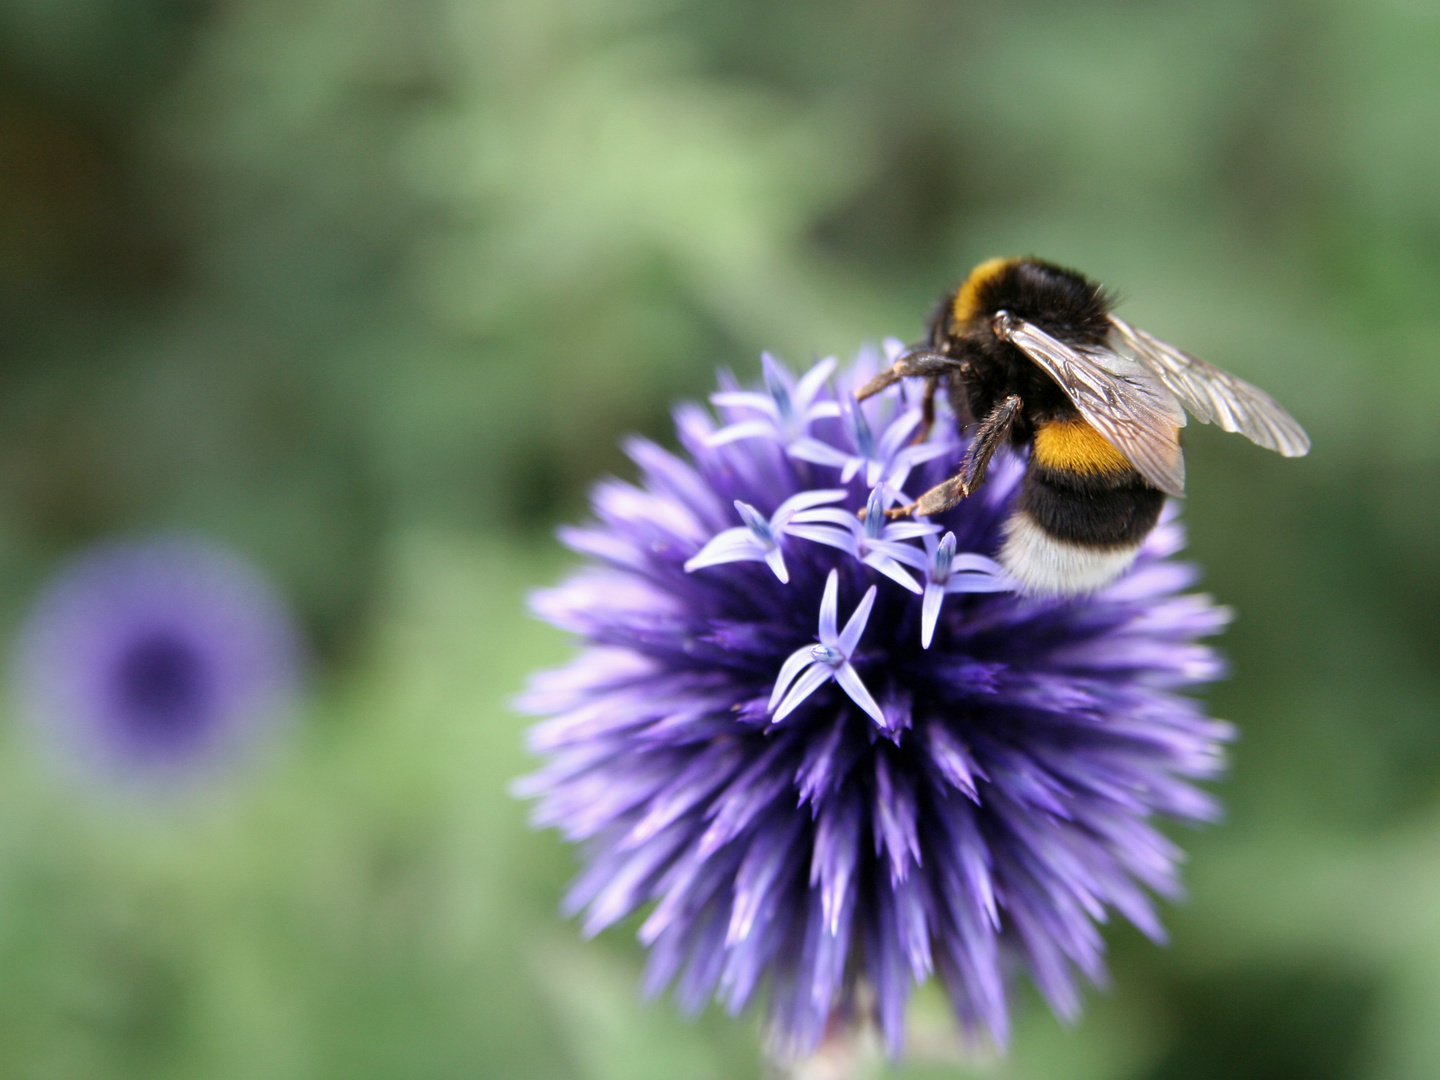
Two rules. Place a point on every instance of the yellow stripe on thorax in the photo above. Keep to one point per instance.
(1075, 446)
(967, 298)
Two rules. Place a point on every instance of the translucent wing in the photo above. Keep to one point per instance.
(1122, 399)
(1214, 396)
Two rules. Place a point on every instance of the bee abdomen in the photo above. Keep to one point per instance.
(1082, 516)
(1074, 447)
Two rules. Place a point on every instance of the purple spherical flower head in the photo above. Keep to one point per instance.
(149, 660)
(962, 782)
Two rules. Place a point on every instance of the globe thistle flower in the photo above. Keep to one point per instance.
(149, 662)
(963, 782)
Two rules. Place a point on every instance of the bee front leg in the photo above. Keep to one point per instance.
(989, 436)
(916, 362)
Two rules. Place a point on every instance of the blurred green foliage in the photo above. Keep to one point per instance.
(371, 288)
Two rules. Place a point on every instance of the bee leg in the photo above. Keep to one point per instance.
(927, 410)
(937, 500)
(988, 438)
(913, 363)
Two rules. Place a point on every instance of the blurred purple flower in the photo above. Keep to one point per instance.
(152, 660)
(962, 789)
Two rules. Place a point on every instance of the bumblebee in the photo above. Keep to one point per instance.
(1032, 352)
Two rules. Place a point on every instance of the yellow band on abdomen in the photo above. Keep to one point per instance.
(1075, 446)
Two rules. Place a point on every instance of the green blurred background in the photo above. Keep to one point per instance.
(370, 289)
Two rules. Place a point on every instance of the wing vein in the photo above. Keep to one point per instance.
(1213, 395)
(1133, 408)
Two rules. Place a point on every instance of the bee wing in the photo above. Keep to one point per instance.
(1215, 396)
(1123, 400)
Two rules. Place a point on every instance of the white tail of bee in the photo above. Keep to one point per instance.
(1048, 566)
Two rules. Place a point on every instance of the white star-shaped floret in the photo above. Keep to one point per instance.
(811, 666)
(758, 540)
(874, 542)
(787, 408)
(946, 572)
(887, 460)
